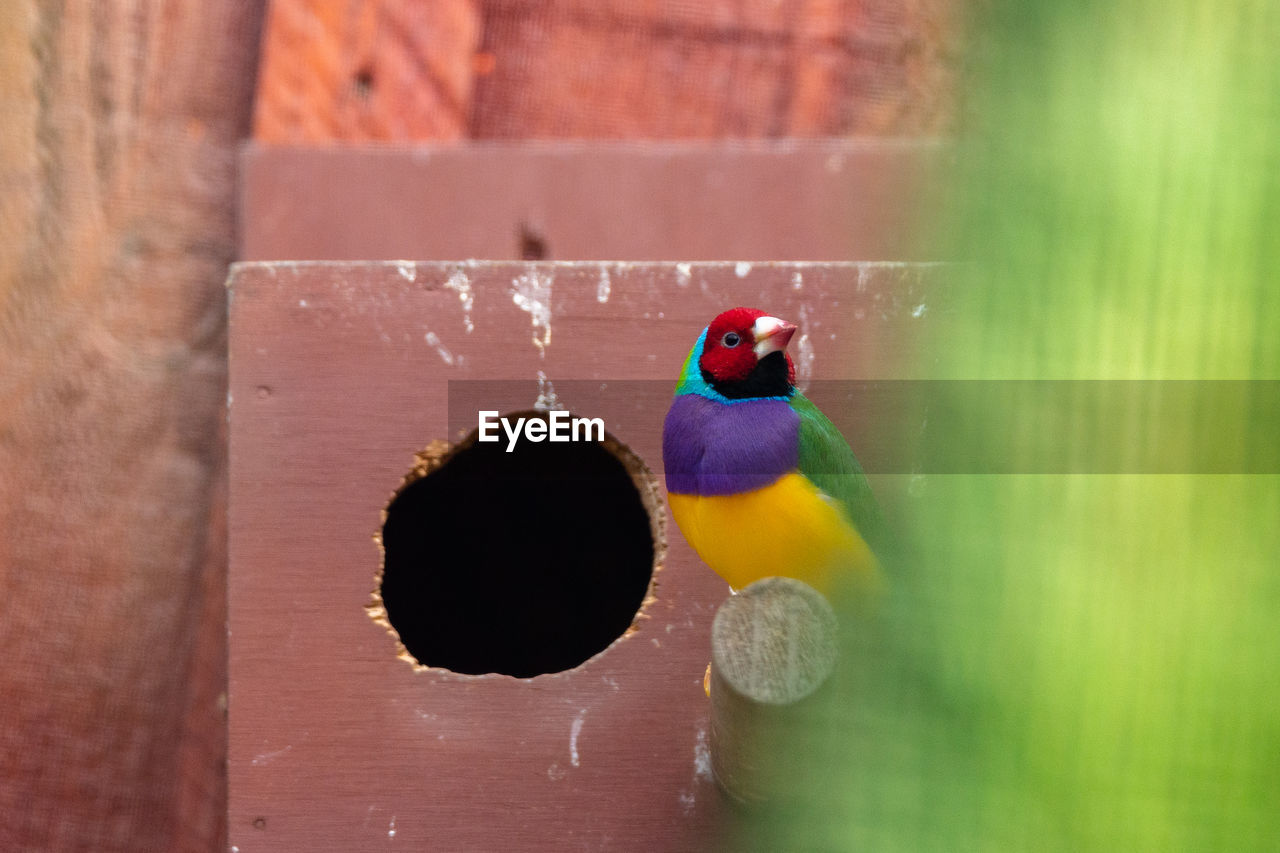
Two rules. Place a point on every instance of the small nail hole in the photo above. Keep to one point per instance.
(532, 245)
(363, 83)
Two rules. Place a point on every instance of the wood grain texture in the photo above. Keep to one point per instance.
(668, 69)
(366, 70)
(725, 68)
(117, 159)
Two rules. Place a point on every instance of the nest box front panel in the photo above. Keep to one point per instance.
(506, 692)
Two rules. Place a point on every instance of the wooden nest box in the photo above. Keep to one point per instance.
(460, 646)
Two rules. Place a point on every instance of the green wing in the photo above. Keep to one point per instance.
(828, 462)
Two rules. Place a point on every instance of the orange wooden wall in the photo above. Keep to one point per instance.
(515, 69)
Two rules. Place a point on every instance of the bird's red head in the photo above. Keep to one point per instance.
(739, 340)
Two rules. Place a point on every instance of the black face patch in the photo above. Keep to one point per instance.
(768, 379)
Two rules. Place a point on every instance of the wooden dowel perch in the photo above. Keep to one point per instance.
(772, 646)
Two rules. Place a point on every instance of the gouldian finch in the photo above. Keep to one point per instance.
(760, 482)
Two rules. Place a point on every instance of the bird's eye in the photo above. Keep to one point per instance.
(731, 339)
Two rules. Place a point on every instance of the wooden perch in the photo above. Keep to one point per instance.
(773, 645)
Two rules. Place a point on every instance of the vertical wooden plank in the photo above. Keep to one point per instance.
(121, 123)
(366, 69)
(661, 68)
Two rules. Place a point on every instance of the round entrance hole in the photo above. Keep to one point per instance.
(523, 562)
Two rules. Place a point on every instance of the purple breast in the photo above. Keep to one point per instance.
(711, 448)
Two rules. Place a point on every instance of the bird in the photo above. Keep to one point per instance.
(760, 482)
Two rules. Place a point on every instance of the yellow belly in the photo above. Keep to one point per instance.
(787, 528)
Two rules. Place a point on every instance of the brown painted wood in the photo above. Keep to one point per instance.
(395, 70)
(340, 373)
(117, 146)
(816, 200)
(772, 646)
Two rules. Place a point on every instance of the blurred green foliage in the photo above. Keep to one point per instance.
(1091, 661)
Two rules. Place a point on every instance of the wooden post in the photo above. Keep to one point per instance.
(773, 646)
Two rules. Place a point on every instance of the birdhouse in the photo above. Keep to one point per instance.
(460, 616)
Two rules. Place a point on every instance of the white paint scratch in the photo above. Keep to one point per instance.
(574, 731)
(268, 757)
(604, 287)
(391, 832)
(531, 293)
(683, 275)
(441, 350)
(742, 269)
(547, 399)
(919, 310)
(797, 280)
(461, 284)
(805, 355)
(687, 801)
(702, 757)
(302, 303)
(408, 270)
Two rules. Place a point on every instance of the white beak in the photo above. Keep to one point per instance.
(771, 335)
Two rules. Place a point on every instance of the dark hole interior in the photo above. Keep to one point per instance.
(521, 563)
